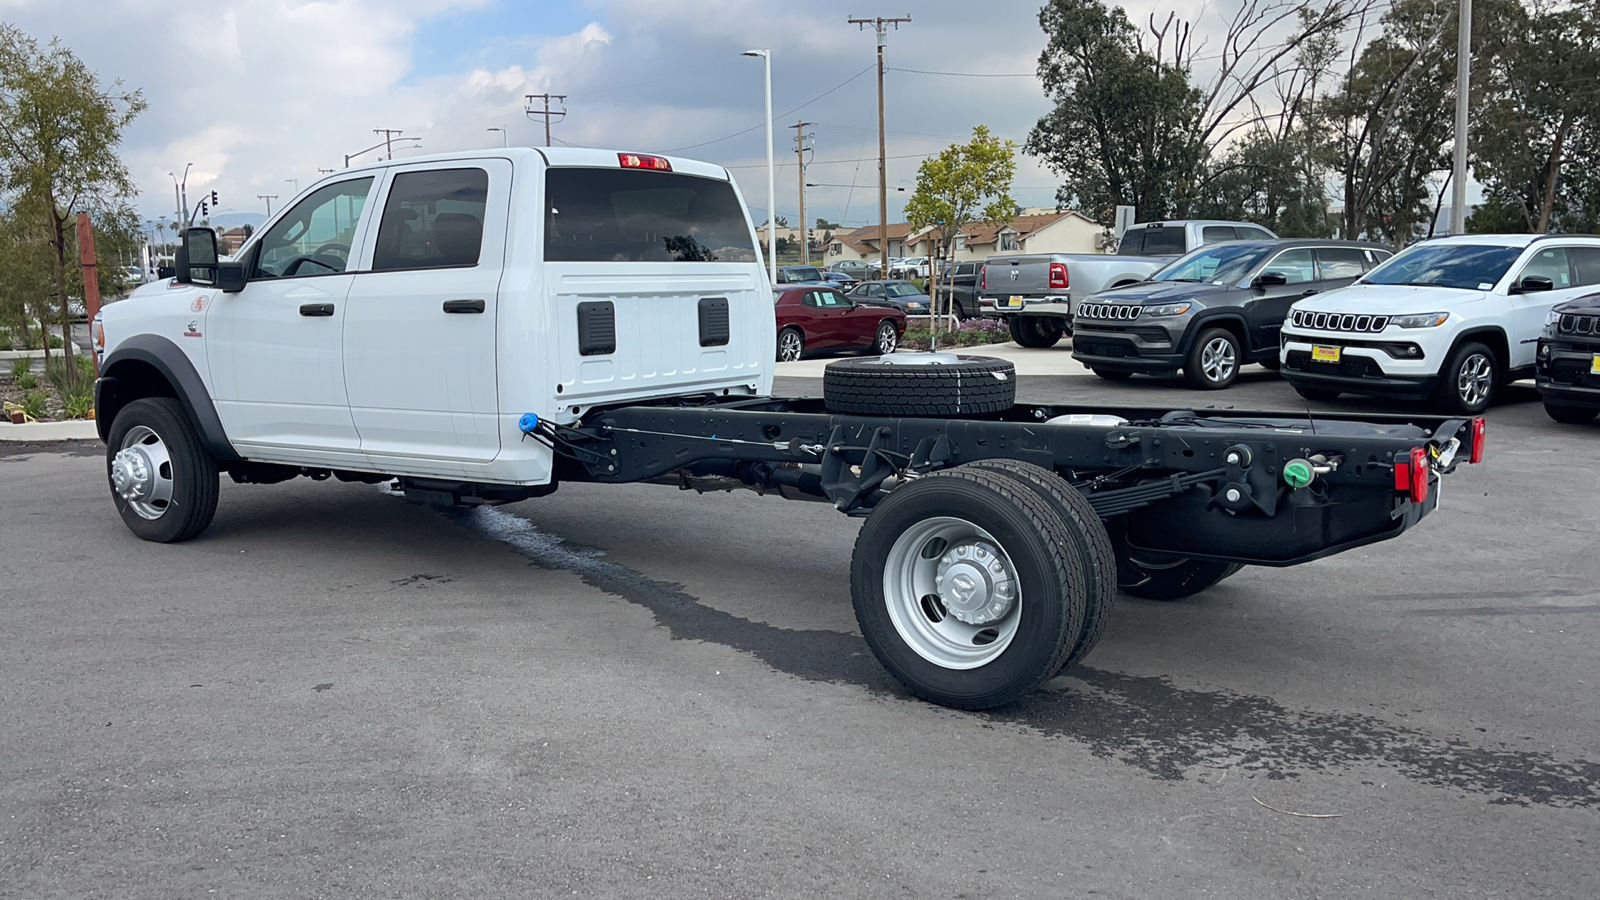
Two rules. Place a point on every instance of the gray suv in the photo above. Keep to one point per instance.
(1212, 310)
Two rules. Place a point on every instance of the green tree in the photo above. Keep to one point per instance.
(59, 133)
(825, 225)
(964, 183)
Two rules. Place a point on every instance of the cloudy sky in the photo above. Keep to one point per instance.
(259, 93)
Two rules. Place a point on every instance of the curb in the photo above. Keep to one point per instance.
(21, 354)
(79, 430)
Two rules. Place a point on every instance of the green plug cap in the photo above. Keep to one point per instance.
(1297, 473)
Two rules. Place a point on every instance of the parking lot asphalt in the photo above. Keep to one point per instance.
(633, 691)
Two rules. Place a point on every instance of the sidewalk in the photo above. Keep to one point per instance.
(76, 430)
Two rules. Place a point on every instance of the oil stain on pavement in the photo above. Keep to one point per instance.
(1171, 733)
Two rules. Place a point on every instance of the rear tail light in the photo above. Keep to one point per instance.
(1478, 426)
(983, 278)
(1058, 276)
(642, 161)
(1411, 476)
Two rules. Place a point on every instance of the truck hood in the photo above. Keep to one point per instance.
(1390, 299)
(1162, 292)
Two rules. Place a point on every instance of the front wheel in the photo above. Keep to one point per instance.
(1467, 381)
(887, 339)
(969, 587)
(791, 344)
(163, 481)
(1571, 415)
(1213, 361)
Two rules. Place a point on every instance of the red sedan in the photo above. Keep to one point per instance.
(813, 317)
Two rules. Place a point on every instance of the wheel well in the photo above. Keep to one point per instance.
(1228, 324)
(1124, 283)
(1493, 338)
(133, 380)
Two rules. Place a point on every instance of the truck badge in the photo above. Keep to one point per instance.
(194, 329)
(1013, 274)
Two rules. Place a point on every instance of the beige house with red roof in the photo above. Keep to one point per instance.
(1060, 232)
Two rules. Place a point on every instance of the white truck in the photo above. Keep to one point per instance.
(480, 328)
(1449, 320)
(1035, 293)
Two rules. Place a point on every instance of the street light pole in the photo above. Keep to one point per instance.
(505, 141)
(1458, 172)
(772, 189)
(183, 200)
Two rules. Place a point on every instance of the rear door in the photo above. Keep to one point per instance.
(419, 339)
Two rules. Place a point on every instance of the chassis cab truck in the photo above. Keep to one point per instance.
(481, 327)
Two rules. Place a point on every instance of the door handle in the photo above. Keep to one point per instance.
(463, 306)
(316, 309)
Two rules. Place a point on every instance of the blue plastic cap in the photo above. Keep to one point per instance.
(528, 422)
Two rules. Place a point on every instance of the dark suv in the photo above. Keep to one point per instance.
(1568, 361)
(1212, 310)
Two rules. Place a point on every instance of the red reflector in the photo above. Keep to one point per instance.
(1478, 426)
(1411, 476)
(983, 278)
(1058, 275)
(642, 161)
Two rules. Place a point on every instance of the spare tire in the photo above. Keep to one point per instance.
(920, 384)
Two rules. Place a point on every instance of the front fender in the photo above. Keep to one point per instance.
(127, 370)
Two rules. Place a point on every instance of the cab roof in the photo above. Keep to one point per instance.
(555, 157)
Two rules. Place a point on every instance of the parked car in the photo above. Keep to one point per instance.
(856, 269)
(959, 284)
(821, 318)
(839, 280)
(1568, 361)
(1213, 310)
(799, 275)
(901, 295)
(1450, 320)
(1035, 291)
(911, 267)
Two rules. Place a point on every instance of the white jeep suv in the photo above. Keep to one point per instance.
(1449, 320)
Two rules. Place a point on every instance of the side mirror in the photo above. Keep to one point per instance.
(1533, 284)
(230, 277)
(196, 257)
(1270, 279)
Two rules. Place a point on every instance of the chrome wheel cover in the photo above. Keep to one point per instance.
(1217, 360)
(1475, 379)
(141, 473)
(789, 346)
(952, 593)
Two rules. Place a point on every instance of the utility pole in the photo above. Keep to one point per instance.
(883, 172)
(388, 140)
(546, 112)
(1458, 172)
(269, 198)
(800, 149)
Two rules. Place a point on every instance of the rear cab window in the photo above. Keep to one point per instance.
(625, 215)
(432, 220)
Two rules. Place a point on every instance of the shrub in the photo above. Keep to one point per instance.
(5, 340)
(27, 382)
(78, 406)
(20, 367)
(33, 404)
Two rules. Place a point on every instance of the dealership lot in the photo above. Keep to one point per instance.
(632, 691)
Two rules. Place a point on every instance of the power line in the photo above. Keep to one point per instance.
(778, 116)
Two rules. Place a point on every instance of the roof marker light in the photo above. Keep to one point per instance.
(644, 161)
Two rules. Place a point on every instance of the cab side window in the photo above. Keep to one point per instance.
(1585, 264)
(1550, 263)
(314, 237)
(432, 220)
(1216, 234)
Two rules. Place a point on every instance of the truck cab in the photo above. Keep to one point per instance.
(401, 317)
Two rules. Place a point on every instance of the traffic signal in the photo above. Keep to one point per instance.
(213, 199)
(203, 210)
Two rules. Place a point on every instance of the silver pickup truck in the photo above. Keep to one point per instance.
(1034, 292)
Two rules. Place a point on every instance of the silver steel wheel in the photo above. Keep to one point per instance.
(1475, 379)
(141, 473)
(952, 593)
(1217, 360)
(789, 346)
(887, 339)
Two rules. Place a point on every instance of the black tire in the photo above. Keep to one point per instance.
(788, 354)
(1318, 394)
(1468, 380)
(1213, 361)
(1169, 580)
(1571, 415)
(1092, 541)
(1034, 638)
(1113, 374)
(155, 426)
(974, 386)
(1036, 331)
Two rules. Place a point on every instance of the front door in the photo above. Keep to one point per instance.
(1268, 305)
(419, 340)
(276, 367)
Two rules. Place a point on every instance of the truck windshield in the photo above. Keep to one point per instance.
(1470, 266)
(629, 215)
(1216, 264)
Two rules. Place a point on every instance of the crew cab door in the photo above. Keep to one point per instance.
(419, 339)
(275, 347)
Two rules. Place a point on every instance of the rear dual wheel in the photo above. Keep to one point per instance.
(972, 587)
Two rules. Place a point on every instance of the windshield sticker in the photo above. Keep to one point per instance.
(1485, 287)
